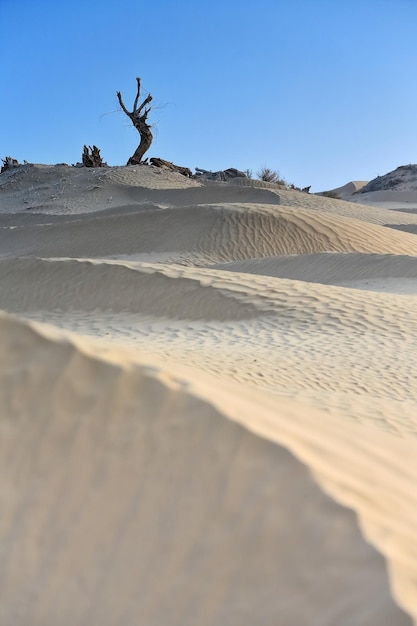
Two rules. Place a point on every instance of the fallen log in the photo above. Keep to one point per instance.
(185, 171)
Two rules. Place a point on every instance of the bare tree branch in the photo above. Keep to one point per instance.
(147, 100)
(135, 104)
(119, 96)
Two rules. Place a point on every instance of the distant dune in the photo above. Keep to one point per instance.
(404, 178)
(346, 191)
(208, 401)
(395, 190)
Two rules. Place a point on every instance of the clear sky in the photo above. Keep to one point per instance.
(325, 91)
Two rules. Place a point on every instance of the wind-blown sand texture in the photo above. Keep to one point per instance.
(208, 403)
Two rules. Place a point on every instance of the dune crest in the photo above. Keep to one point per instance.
(207, 403)
(112, 483)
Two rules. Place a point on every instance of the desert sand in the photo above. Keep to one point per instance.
(208, 402)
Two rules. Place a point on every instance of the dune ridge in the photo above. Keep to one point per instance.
(208, 403)
(359, 270)
(375, 485)
(203, 234)
(187, 313)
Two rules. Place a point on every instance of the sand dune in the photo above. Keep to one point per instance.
(63, 190)
(346, 191)
(374, 272)
(201, 235)
(83, 285)
(196, 380)
(99, 487)
(395, 190)
(255, 330)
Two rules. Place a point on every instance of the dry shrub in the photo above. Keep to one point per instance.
(270, 176)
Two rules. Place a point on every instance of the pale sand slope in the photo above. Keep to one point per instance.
(200, 234)
(345, 192)
(372, 207)
(131, 497)
(376, 272)
(64, 190)
(337, 346)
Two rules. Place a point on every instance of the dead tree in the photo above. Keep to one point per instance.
(138, 117)
(8, 163)
(91, 157)
(171, 166)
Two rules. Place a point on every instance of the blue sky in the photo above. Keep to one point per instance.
(325, 91)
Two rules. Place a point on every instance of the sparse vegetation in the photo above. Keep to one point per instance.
(270, 176)
(273, 176)
(402, 178)
(330, 194)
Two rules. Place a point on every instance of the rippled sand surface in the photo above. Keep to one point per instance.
(208, 403)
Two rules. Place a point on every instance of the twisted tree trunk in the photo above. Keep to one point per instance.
(138, 117)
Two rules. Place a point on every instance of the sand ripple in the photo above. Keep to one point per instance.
(186, 372)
